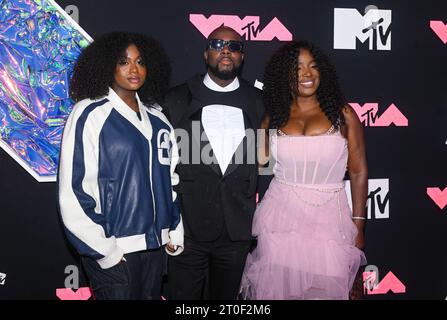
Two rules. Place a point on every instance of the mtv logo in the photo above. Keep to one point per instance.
(378, 198)
(389, 283)
(368, 115)
(247, 27)
(438, 196)
(2, 278)
(350, 26)
(440, 28)
(83, 293)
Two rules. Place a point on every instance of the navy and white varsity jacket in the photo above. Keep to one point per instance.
(115, 180)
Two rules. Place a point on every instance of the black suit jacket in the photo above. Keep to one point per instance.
(209, 199)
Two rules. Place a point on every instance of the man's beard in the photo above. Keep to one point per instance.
(224, 74)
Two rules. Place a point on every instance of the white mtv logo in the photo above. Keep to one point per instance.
(350, 25)
(378, 198)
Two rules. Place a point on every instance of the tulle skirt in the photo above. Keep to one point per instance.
(305, 246)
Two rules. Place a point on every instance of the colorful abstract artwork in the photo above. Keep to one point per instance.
(39, 44)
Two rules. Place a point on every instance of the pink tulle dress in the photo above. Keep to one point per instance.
(303, 224)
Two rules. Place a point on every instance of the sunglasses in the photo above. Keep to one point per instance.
(218, 45)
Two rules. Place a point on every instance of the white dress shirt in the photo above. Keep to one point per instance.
(224, 125)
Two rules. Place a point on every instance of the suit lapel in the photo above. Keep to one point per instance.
(247, 144)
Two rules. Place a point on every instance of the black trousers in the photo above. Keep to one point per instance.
(137, 278)
(207, 270)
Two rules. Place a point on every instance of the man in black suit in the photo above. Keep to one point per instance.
(218, 113)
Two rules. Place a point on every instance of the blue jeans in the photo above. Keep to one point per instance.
(137, 278)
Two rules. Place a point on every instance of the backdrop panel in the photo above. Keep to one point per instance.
(391, 65)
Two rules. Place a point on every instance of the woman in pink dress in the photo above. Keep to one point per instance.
(309, 240)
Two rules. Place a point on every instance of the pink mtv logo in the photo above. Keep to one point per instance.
(369, 117)
(83, 293)
(440, 29)
(389, 282)
(438, 196)
(248, 26)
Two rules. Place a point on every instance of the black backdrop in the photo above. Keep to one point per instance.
(410, 242)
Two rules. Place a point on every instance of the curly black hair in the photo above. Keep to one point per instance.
(281, 83)
(94, 70)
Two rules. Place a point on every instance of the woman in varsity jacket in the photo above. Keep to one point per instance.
(116, 172)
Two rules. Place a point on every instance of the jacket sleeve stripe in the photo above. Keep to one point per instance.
(78, 185)
(176, 234)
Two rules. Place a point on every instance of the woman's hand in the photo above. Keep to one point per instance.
(171, 248)
(360, 239)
